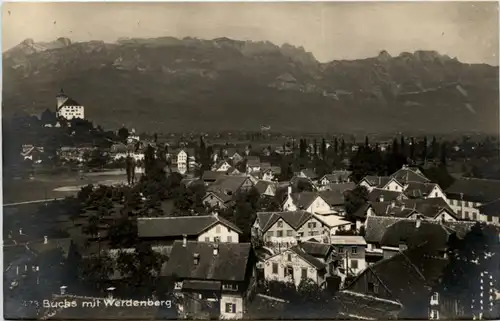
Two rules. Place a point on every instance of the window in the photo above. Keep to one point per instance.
(280, 224)
(279, 233)
(275, 268)
(229, 239)
(228, 230)
(217, 229)
(304, 273)
(466, 214)
(289, 257)
(434, 315)
(354, 264)
(474, 216)
(371, 287)
(289, 233)
(354, 250)
(311, 224)
(489, 218)
(341, 249)
(270, 233)
(230, 308)
(467, 204)
(233, 287)
(207, 239)
(289, 271)
(435, 296)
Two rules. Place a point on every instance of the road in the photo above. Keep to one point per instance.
(33, 202)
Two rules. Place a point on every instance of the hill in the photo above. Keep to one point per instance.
(170, 84)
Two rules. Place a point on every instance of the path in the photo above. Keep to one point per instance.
(33, 202)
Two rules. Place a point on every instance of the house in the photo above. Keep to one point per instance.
(68, 108)
(230, 184)
(283, 229)
(466, 195)
(297, 181)
(311, 202)
(409, 234)
(383, 195)
(32, 153)
(409, 174)
(336, 177)
(356, 306)
(186, 160)
(203, 228)
(296, 264)
(335, 200)
(221, 166)
(431, 209)
(423, 190)
(232, 171)
(253, 164)
(382, 182)
(271, 173)
(412, 288)
(213, 280)
(352, 251)
(209, 177)
(491, 211)
(233, 155)
(122, 151)
(307, 173)
(266, 188)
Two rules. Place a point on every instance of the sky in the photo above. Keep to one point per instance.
(331, 31)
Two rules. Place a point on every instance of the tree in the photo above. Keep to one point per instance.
(412, 149)
(149, 160)
(123, 232)
(355, 199)
(424, 150)
(323, 149)
(440, 176)
(469, 256)
(123, 134)
(367, 143)
(443, 153)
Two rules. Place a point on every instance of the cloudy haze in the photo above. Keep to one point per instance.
(468, 31)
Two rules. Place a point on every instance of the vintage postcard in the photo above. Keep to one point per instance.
(251, 160)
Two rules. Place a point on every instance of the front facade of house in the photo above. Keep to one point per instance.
(211, 199)
(68, 108)
(352, 250)
(466, 209)
(288, 266)
(382, 183)
(182, 162)
(219, 233)
(222, 167)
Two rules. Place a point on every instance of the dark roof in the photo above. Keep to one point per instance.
(52, 244)
(378, 181)
(316, 249)
(227, 183)
(69, 102)
(230, 264)
(225, 196)
(334, 197)
(356, 306)
(212, 175)
(262, 186)
(201, 285)
(475, 190)
(418, 276)
(491, 208)
(409, 174)
(253, 161)
(309, 173)
(408, 233)
(341, 187)
(337, 176)
(429, 207)
(295, 219)
(304, 199)
(419, 190)
(308, 257)
(376, 226)
(177, 226)
(376, 193)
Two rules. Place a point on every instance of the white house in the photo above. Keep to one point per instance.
(185, 160)
(311, 202)
(222, 166)
(382, 182)
(68, 108)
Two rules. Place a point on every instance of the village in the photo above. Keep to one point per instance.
(309, 230)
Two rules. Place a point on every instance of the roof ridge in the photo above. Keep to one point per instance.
(413, 265)
(175, 217)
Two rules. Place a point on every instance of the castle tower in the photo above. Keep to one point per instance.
(61, 99)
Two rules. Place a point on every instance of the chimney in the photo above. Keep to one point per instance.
(184, 240)
(45, 240)
(17, 270)
(381, 198)
(110, 292)
(402, 207)
(216, 248)
(419, 221)
(20, 231)
(289, 190)
(196, 258)
(63, 289)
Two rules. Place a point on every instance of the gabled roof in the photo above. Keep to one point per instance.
(309, 173)
(421, 270)
(69, 102)
(212, 175)
(317, 264)
(63, 244)
(411, 234)
(220, 163)
(253, 161)
(409, 174)
(226, 183)
(304, 199)
(337, 176)
(262, 186)
(341, 187)
(429, 207)
(172, 226)
(419, 190)
(347, 240)
(376, 193)
(333, 198)
(475, 190)
(357, 306)
(316, 249)
(229, 264)
(295, 219)
(379, 181)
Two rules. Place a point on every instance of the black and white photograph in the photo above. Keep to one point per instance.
(251, 160)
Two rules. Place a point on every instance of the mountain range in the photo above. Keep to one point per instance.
(169, 84)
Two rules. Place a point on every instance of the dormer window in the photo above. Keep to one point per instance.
(178, 285)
